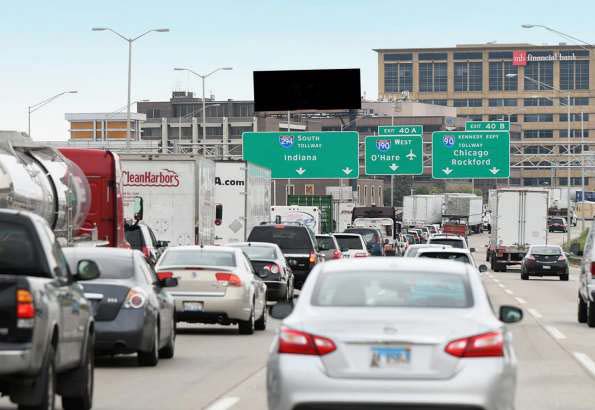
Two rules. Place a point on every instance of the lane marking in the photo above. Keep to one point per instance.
(521, 300)
(496, 280)
(535, 313)
(555, 333)
(586, 362)
(501, 285)
(508, 291)
(224, 403)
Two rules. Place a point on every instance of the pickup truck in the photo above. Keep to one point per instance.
(46, 323)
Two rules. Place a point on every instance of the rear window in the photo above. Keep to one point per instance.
(392, 289)
(259, 252)
(18, 255)
(557, 221)
(349, 242)
(369, 235)
(134, 236)
(110, 266)
(458, 257)
(288, 238)
(197, 258)
(455, 243)
(546, 250)
(325, 242)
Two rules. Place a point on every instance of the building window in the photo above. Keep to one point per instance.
(432, 56)
(574, 75)
(503, 117)
(574, 149)
(538, 102)
(576, 116)
(539, 181)
(474, 117)
(540, 71)
(538, 149)
(432, 77)
(498, 79)
(365, 195)
(468, 77)
(467, 102)
(502, 102)
(574, 133)
(467, 55)
(539, 134)
(539, 117)
(574, 101)
(309, 189)
(435, 102)
(398, 57)
(515, 181)
(498, 55)
(398, 77)
(290, 189)
(574, 181)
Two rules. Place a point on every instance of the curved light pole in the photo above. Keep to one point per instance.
(130, 41)
(204, 109)
(32, 108)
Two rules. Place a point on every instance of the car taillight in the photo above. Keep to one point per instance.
(561, 258)
(272, 267)
(293, 341)
(228, 279)
(135, 299)
(313, 258)
(25, 306)
(593, 270)
(145, 250)
(337, 254)
(165, 275)
(531, 257)
(489, 344)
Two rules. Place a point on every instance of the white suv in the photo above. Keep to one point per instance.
(586, 291)
(455, 241)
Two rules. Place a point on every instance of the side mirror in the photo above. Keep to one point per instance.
(162, 244)
(472, 250)
(510, 314)
(483, 268)
(281, 310)
(138, 207)
(86, 270)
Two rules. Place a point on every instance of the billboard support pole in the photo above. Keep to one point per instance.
(289, 179)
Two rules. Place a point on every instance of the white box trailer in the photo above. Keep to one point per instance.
(519, 220)
(464, 209)
(242, 198)
(344, 211)
(178, 194)
(309, 216)
(422, 209)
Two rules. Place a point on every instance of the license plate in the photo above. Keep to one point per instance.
(390, 357)
(193, 306)
(546, 267)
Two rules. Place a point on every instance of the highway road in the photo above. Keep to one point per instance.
(217, 369)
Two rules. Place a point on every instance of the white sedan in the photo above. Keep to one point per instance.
(216, 285)
(449, 253)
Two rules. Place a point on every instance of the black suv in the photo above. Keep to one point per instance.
(298, 244)
(142, 238)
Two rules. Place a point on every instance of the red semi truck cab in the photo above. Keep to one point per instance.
(102, 169)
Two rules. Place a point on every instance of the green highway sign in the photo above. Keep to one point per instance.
(304, 155)
(470, 154)
(400, 130)
(394, 155)
(487, 126)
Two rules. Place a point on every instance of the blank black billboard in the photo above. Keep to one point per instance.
(293, 90)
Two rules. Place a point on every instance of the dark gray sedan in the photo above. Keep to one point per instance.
(133, 312)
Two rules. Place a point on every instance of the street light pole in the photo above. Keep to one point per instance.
(203, 77)
(130, 41)
(32, 108)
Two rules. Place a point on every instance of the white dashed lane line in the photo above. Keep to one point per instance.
(535, 313)
(224, 404)
(508, 291)
(586, 362)
(521, 301)
(555, 333)
(502, 286)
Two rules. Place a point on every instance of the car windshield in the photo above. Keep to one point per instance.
(110, 266)
(325, 242)
(194, 257)
(455, 243)
(288, 238)
(546, 250)
(459, 257)
(369, 235)
(18, 255)
(259, 252)
(349, 242)
(392, 289)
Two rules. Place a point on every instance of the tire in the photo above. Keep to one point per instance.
(591, 314)
(564, 277)
(261, 323)
(84, 377)
(582, 310)
(524, 276)
(47, 383)
(246, 327)
(150, 358)
(169, 350)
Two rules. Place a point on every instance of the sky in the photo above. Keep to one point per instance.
(48, 47)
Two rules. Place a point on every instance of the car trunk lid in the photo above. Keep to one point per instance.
(107, 299)
(200, 280)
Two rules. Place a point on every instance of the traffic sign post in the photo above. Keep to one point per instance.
(304, 155)
(487, 126)
(394, 155)
(470, 154)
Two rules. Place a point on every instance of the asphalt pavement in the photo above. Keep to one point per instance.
(217, 369)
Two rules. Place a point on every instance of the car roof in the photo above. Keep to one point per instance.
(347, 234)
(98, 252)
(428, 245)
(442, 248)
(443, 236)
(545, 246)
(239, 244)
(396, 265)
(204, 248)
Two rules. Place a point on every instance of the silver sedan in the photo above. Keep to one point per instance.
(398, 333)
